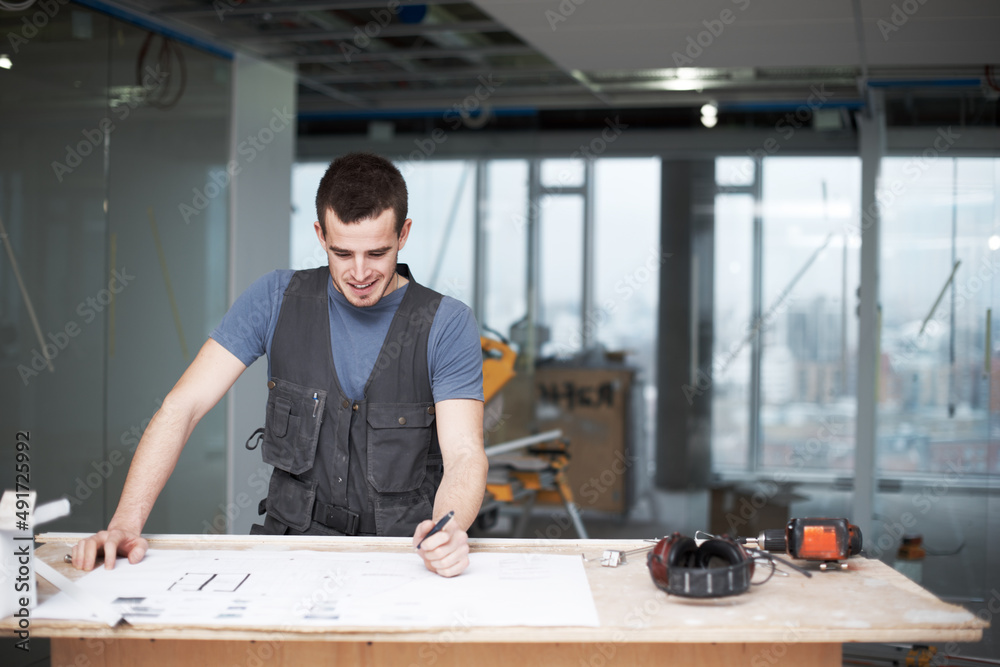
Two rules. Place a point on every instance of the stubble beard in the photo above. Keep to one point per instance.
(366, 302)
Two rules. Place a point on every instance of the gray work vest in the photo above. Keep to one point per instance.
(341, 466)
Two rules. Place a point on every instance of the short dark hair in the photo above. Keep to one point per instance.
(359, 186)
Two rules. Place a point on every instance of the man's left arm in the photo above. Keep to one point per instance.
(460, 435)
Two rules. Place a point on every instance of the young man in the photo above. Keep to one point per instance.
(374, 414)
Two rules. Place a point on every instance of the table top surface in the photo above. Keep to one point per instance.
(870, 602)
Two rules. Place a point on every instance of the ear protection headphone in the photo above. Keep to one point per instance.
(717, 568)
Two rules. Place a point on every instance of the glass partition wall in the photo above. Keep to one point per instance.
(114, 259)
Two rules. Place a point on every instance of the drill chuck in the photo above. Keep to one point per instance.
(773, 540)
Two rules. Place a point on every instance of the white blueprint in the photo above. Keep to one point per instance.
(330, 589)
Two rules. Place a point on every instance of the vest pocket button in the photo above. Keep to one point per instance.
(402, 421)
(430, 410)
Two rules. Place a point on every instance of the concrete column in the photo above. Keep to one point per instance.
(684, 354)
(871, 138)
(263, 150)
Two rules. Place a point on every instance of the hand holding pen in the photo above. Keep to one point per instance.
(437, 527)
(447, 554)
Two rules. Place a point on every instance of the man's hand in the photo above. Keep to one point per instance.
(113, 543)
(446, 552)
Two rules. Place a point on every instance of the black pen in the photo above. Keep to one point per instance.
(438, 526)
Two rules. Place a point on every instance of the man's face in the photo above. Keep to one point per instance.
(363, 255)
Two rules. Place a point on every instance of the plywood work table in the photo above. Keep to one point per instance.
(787, 621)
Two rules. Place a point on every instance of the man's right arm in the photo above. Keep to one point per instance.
(205, 381)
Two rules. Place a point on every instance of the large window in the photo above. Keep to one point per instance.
(561, 273)
(505, 245)
(810, 275)
(440, 250)
(785, 348)
(627, 256)
(940, 258)
(734, 224)
(305, 249)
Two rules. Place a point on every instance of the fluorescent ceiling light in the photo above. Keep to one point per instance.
(5, 62)
(680, 84)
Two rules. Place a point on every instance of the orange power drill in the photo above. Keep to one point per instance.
(831, 541)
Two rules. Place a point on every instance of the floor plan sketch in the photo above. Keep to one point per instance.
(337, 589)
(200, 581)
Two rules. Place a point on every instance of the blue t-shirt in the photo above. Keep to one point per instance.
(454, 353)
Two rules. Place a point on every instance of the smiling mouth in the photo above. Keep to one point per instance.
(361, 286)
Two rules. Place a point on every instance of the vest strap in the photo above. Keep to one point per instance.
(259, 433)
(335, 517)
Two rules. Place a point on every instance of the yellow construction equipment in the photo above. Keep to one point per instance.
(537, 474)
(498, 365)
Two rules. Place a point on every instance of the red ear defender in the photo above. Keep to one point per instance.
(717, 568)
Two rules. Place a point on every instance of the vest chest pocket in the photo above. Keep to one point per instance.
(291, 426)
(399, 439)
